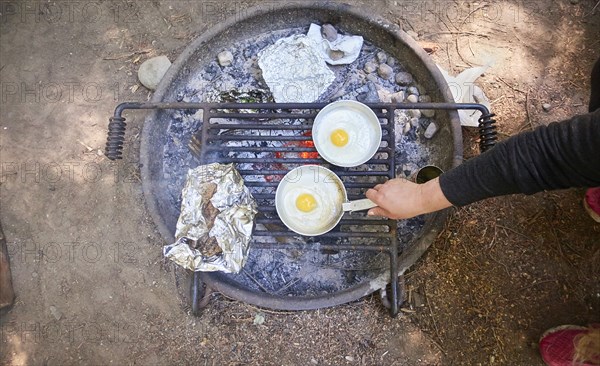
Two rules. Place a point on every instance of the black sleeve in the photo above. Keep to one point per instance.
(561, 155)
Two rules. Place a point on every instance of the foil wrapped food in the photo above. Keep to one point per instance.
(216, 221)
(295, 70)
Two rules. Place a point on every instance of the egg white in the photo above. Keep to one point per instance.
(328, 197)
(359, 136)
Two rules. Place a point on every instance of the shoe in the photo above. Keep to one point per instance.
(557, 346)
(591, 203)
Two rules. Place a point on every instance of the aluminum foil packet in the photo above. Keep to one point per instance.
(216, 221)
(295, 70)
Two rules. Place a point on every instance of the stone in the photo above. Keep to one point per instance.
(381, 57)
(413, 34)
(412, 99)
(336, 55)
(398, 97)
(385, 71)
(414, 122)
(370, 67)
(225, 58)
(429, 113)
(431, 130)
(546, 107)
(371, 96)
(413, 90)
(415, 113)
(404, 78)
(329, 32)
(391, 61)
(55, 312)
(406, 128)
(152, 71)
(372, 78)
(424, 99)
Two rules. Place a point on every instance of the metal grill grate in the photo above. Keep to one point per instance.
(253, 132)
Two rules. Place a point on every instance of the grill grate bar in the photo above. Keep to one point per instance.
(319, 246)
(331, 234)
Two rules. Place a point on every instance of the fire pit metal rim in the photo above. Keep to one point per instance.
(215, 280)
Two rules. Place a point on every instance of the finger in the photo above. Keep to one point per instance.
(378, 187)
(373, 195)
(378, 211)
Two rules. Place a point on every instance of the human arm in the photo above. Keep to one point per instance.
(560, 155)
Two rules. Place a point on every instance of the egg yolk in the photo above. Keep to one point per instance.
(306, 202)
(339, 137)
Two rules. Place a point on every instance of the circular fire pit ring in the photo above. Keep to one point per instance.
(160, 187)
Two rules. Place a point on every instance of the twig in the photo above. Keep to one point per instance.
(510, 86)
(459, 33)
(437, 331)
(535, 284)
(269, 311)
(127, 55)
(470, 48)
(527, 112)
(473, 11)
(499, 343)
(516, 232)
(459, 55)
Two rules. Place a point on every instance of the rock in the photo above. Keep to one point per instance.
(55, 312)
(225, 58)
(398, 97)
(384, 95)
(406, 128)
(415, 113)
(259, 319)
(424, 99)
(385, 71)
(412, 99)
(329, 32)
(382, 57)
(152, 71)
(413, 34)
(349, 358)
(314, 362)
(546, 107)
(370, 67)
(431, 130)
(371, 96)
(429, 113)
(413, 90)
(391, 61)
(414, 122)
(372, 78)
(336, 55)
(404, 78)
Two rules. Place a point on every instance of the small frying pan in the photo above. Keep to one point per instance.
(321, 213)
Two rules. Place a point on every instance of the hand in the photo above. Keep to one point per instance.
(401, 199)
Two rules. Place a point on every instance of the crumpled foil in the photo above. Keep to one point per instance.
(232, 226)
(344, 50)
(295, 70)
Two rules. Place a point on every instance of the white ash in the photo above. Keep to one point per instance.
(279, 271)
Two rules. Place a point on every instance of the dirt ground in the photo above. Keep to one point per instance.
(93, 289)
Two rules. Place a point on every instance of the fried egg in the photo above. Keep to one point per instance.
(345, 135)
(310, 201)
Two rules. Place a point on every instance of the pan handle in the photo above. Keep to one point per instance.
(358, 205)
